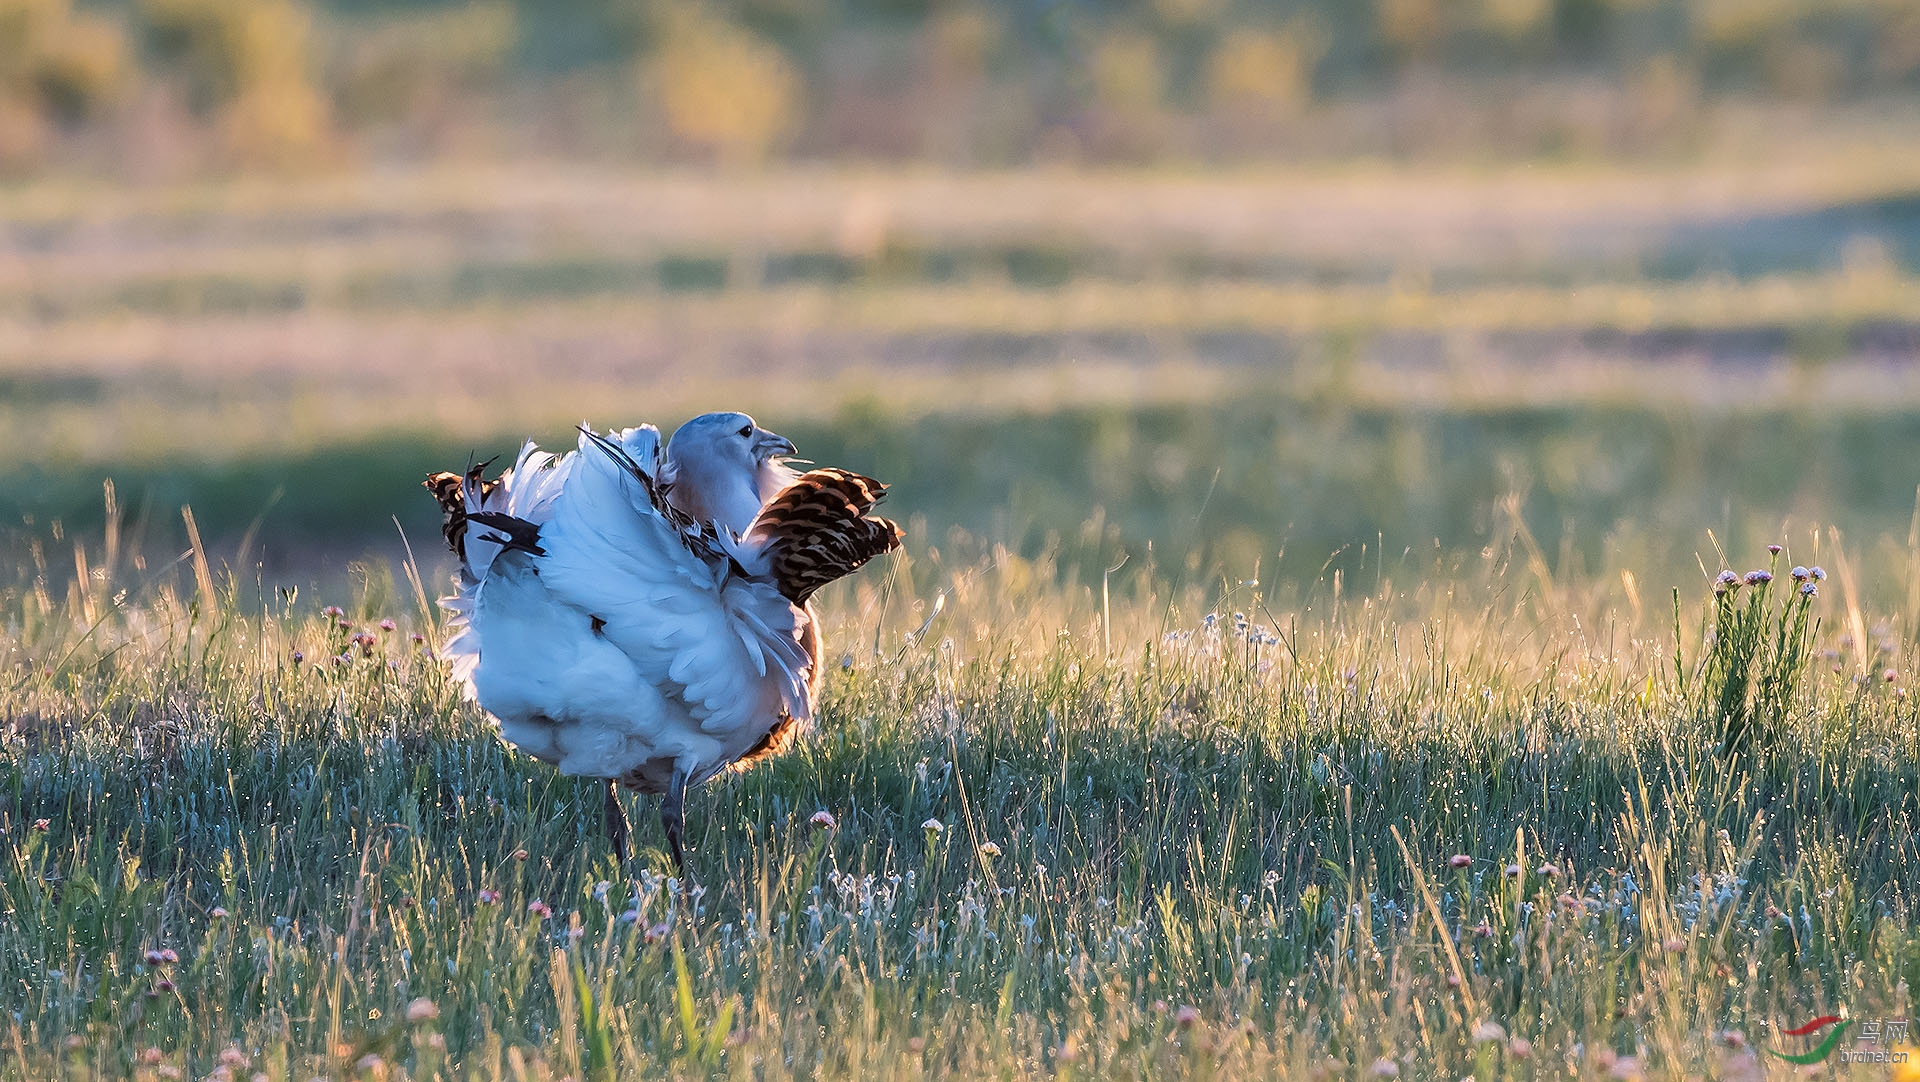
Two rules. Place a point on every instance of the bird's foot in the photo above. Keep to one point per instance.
(673, 818)
(619, 831)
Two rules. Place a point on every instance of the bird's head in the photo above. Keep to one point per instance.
(729, 440)
(723, 466)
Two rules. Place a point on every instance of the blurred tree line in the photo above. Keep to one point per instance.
(163, 85)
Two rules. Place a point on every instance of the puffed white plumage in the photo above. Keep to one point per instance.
(625, 613)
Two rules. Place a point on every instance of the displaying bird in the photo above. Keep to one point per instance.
(645, 616)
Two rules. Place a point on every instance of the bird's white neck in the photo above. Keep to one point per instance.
(723, 496)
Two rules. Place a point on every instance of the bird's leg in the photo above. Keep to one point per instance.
(673, 816)
(618, 828)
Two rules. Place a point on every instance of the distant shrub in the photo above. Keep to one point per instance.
(1126, 71)
(720, 86)
(1004, 81)
(25, 26)
(963, 37)
(201, 39)
(82, 69)
(276, 122)
(392, 66)
(1735, 22)
(56, 68)
(1516, 18)
(246, 64)
(1263, 73)
(1413, 27)
(1189, 13)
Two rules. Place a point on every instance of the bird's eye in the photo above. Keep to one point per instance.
(747, 431)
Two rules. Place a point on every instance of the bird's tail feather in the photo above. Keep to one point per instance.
(457, 494)
(525, 490)
(515, 533)
(524, 493)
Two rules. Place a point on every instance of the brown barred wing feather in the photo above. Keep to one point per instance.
(821, 528)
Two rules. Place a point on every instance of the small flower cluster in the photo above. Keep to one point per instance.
(1258, 636)
(1708, 898)
(867, 901)
(1210, 627)
(1729, 581)
(348, 639)
(159, 960)
(651, 891)
(232, 1060)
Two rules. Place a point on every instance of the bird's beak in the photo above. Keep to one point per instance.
(771, 445)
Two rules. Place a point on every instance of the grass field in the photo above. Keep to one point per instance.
(1167, 844)
(1304, 659)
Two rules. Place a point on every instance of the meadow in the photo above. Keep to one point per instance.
(1298, 666)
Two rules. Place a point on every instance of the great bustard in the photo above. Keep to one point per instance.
(645, 616)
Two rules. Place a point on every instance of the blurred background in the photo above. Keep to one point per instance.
(1295, 285)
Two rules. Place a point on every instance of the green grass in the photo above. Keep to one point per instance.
(1290, 482)
(1221, 852)
(1170, 846)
